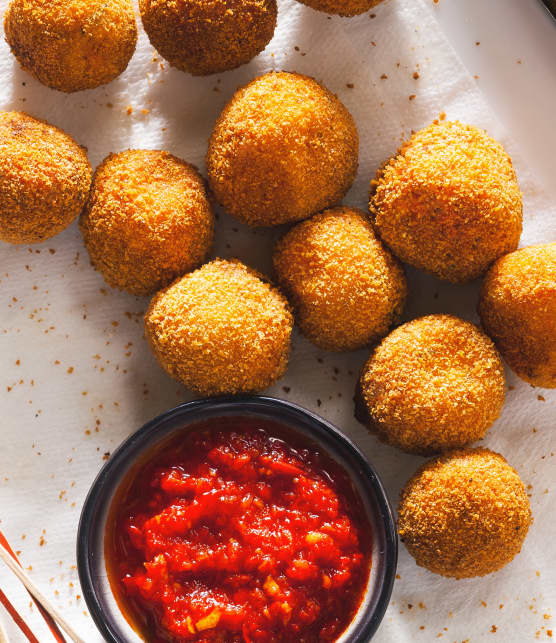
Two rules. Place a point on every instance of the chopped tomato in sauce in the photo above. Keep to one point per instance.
(238, 531)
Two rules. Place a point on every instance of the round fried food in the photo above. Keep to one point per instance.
(147, 221)
(464, 514)
(346, 288)
(345, 8)
(448, 202)
(208, 36)
(283, 149)
(221, 329)
(434, 383)
(72, 45)
(44, 179)
(518, 310)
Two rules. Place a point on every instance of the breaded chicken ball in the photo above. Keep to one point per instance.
(518, 310)
(434, 383)
(283, 149)
(464, 514)
(221, 329)
(448, 202)
(44, 179)
(208, 36)
(346, 288)
(72, 45)
(147, 221)
(346, 8)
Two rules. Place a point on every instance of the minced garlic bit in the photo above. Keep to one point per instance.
(210, 621)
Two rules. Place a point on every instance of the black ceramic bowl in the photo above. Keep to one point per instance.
(90, 537)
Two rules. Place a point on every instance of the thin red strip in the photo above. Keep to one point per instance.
(17, 618)
(19, 621)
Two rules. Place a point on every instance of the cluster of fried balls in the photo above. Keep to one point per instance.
(285, 151)
(72, 45)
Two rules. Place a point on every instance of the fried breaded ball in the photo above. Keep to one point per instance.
(448, 202)
(346, 288)
(44, 179)
(464, 514)
(221, 329)
(72, 45)
(518, 310)
(283, 149)
(346, 8)
(434, 383)
(147, 221)
(208, 36)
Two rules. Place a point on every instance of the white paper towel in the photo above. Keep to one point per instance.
(77, 376)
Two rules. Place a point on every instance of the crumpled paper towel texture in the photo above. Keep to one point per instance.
(77, 376)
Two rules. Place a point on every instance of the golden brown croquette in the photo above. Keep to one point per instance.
(464, 514)
(208, 36)
(72, 45)
(518, 310)
(448, 202)
(221, 329)
(147, 221)
(283, 149)
(44, 179)
(346, 8)
(346, 288)
(434, 383)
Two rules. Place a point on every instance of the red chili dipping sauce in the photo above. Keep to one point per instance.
(238, 531)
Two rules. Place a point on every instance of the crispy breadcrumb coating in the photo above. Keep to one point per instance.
(464, 514)
(72, 45)
(434, 383)
(208, 36)
(448, 202)
(518, 310)
(346, 288)
(346, 8)
(147, 221)
(283, 149)
(44, 179)
(221, 329)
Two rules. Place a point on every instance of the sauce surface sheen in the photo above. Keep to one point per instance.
(238, 531)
